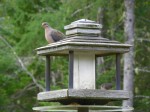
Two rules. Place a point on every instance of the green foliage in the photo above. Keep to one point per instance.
(61, 64)
(106, 77)
(142, 51)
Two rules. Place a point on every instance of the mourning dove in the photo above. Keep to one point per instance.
(106, 86)
(52, 35)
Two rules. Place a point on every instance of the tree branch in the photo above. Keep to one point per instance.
(142, 39)
(79, 10)
(142, 96)
(22, 64)
(143, 70)
(20, 93)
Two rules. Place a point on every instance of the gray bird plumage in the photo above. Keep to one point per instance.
(52, 35)
(106, 86)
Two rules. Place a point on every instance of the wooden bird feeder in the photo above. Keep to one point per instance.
(83, 44)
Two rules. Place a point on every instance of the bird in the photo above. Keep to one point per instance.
(74, 103)
(106, 86)
(52, 35)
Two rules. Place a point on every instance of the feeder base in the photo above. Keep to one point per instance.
(83, 96)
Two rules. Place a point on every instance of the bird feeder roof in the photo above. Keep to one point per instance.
(83, 36)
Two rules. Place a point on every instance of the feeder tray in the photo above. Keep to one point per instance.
(84, 108)
(83, 96)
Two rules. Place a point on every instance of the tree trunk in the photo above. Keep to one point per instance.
(129, 57)
(100, 60)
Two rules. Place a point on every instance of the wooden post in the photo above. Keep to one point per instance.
(47, 73)
(83, 110)
(118, 71)
(84, 70)
(71, 62)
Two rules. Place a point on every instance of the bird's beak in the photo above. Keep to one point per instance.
(42, 26)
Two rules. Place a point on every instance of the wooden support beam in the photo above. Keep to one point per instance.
(47, 73)
(71, 53)
(118, 71)
(83, 110)
(88, 96)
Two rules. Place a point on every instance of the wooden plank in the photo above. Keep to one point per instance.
(118, 71)
(99, 94)
(47, 72)
(71, 69)
(84, 70)
(64, 49)
(88, 94)
(92, 108)
(53, 95)
(83, 31)
(87, 25)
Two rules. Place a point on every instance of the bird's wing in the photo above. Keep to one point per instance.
(56, 35)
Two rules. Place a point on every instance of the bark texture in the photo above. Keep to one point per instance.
(100, 60)
(129, 57)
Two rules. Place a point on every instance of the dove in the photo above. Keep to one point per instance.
(106, 86)
(52, 35)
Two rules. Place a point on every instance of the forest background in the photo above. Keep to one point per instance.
(22, 70)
